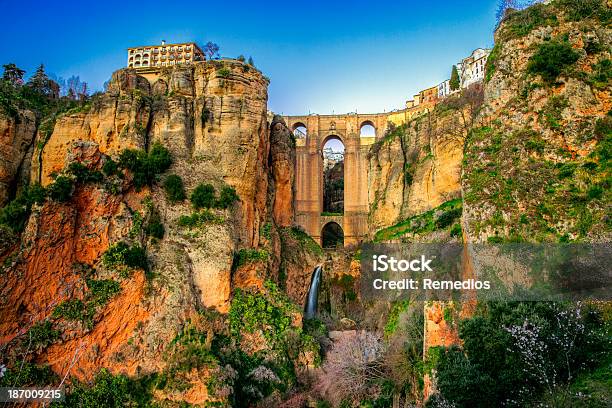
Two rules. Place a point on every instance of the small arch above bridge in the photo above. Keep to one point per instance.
(299, 130)
(367, 129)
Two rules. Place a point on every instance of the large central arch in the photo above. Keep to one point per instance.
(315, 131)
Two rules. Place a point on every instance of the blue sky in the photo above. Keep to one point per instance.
(321, 57)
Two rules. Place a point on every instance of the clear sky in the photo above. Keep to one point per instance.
(321, 56)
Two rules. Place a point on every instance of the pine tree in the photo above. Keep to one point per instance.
(13, 75)
(39, 81)
(251, 63)
(454, 79)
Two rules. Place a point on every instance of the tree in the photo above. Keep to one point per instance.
(251, 63)
(203, 196)
(211, 50)
(352, 368)
(40, 83)
(13, 74)
(454, 79)
(39, 80)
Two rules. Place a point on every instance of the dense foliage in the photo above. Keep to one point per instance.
(98, 293)
(438, 218)
(146, 167)
(512, 352)
(551, 59)
(122, 254)
(205, 196)
(175, 190)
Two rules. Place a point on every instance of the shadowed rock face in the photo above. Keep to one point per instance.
(282, 167)
(16, 137)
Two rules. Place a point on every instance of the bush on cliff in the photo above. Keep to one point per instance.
(175, 190)
(16, 213)
(551, 59)
(203, 196)
(61, 189)
(83, 174)
(121, 254)
(227, 197)
(144, 166)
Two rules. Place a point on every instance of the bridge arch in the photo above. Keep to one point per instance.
(367, 129)
(299, 130)
(332, 172)
(332, 235)
(330, 137)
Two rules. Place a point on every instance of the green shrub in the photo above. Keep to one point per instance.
(551, 59)
(456, 230)
(121, 254)
(203, 196)
(42, 334)
(553, 111)
(175, 191)
(249, 255)
(197, 219)
(393, 319)
(108, 391)
(602, 74)
(595, 192)
(72, 309)
(227, 197)
(35, 193)
(154, 227)
(110, 167)
(224, 72)
(603, 128)
(582, 9)
(519, 23)
(24, 373)
(15, 214)
(446, 218)
(83, 174)
(266, 230)
(423, 223)
(98, 293)
(102, 290)
(145, 167)
(535, 144)
(566, 170)
(61, 189)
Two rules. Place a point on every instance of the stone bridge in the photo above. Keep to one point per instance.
(309, 170)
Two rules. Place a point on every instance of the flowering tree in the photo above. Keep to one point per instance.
(352, 366)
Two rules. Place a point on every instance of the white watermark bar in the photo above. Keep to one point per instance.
(456, 271)
(31, 394)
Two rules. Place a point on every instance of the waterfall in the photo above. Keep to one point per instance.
(312, 298)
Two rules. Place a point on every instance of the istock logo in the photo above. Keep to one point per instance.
(383, 263)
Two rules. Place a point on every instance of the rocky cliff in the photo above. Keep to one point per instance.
(539, 170)
(416, 167)
(71, 268)
(17, 134)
